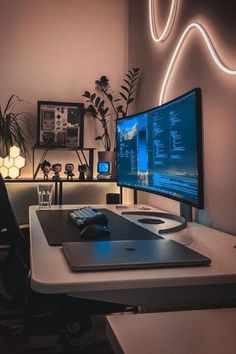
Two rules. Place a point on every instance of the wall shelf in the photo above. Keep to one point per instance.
(80, 152)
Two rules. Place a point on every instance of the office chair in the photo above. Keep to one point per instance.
(38, 308)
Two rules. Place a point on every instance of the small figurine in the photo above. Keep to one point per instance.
(46, 168)
(69, 170)
(56, 169)
(82, 172)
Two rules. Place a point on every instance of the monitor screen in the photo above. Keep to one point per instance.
(160, 150)
(103, 167)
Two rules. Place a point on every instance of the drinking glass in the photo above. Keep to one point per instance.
(44, 195)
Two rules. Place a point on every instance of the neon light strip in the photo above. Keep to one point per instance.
(210, 47)
(169, 23)
(165, 33)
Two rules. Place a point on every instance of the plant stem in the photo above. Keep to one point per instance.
(111, 103)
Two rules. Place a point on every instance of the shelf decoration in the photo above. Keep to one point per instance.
(11, 165)
(60, 124)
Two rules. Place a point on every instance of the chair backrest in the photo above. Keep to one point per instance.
(16, 265)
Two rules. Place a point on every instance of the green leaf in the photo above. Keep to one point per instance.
(91, 111)
(86, 94)
(125, 88)
(120, 108)
(106, 110)
(97, 101)
(134, 82)
(104, 79)
(122, 95)
(110, 97)
(128, 82)
(130, 100)
(130, 77)
(93, 96)
(101, 105)
(135, 75)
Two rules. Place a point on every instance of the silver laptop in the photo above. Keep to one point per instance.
(130, 254)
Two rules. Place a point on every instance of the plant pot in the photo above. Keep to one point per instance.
(111, 157)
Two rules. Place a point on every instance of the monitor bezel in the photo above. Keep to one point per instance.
(199, 141)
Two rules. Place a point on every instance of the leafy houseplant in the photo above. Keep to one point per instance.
(101, 103)
(14, 127)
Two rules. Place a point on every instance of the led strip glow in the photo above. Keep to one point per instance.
(169, 23)
(180, 43)
(210, 47)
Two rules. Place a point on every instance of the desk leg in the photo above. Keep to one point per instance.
(91, 162)
(135, 196)
(56, 194)
(60, 193)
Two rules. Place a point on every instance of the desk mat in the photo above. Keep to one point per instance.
(58, 228)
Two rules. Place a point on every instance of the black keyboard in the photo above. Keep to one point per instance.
(86, 216)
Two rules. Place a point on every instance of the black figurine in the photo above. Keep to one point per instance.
(56, 169)
(82, 171)
(69, 167)
(46, 168)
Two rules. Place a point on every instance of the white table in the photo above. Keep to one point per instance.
(50, 272)
(182, 332)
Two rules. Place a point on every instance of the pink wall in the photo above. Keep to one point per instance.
(195, 68)
(55, 49)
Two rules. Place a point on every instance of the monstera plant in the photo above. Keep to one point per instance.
(14, 127)
(105, 105)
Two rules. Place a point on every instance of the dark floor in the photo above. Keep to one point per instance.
(45, 344)
(20, 344)
(17, 344)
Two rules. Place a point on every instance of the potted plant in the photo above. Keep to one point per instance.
(104, 106)
(102, 102)
(14, 127)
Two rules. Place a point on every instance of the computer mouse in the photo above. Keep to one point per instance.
(95, 231)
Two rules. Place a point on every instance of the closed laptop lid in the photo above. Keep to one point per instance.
(131, 254)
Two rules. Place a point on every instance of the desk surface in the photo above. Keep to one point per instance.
(50, 272)
(191, 332)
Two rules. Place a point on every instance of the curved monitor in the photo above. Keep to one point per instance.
(160, 150)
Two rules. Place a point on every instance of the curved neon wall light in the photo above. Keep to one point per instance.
(210, 47)
(180, 43)
(169, 22)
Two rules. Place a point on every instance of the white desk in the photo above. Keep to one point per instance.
(50, 272)
(182, 332)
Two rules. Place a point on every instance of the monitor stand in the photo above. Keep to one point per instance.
(182, 222)
(186, 211)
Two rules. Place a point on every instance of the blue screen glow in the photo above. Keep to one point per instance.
(103, 167)
(159, 150)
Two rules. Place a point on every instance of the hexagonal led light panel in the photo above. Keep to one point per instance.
(8, 161)
(4, 171)
(11, 165)
(14, 152)
(14, 172)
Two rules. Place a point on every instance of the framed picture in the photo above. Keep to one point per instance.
(60, 124)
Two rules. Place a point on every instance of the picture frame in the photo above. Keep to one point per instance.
(60, 124)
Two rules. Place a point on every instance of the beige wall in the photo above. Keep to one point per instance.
(195, 68)
(55, 49)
